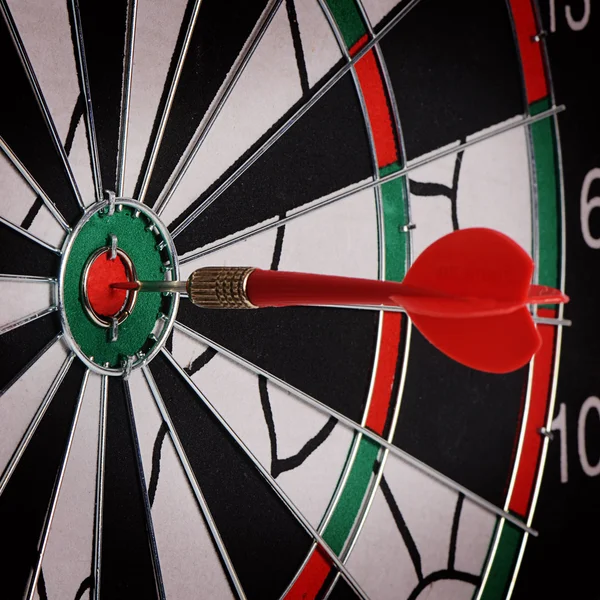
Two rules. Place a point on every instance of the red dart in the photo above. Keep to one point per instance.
(467, 293)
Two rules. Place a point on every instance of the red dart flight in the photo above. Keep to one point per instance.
(468, 293)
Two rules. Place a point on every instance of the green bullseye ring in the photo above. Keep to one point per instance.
(147, 243)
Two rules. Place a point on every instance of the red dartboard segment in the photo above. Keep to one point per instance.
(311, 578)
(536, 418)
(385, 374)
(531, 52)
(359, 45)
(371, 84)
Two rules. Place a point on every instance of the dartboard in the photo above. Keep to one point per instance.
(150, 448)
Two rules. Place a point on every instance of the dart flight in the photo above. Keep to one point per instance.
(468, 293)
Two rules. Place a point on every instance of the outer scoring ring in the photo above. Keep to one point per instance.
(138, 360)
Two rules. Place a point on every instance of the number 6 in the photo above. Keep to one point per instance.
(587, 205)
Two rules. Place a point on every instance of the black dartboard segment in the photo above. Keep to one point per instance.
(20, 347)
(25, 500)
(265, 542)
(309, 348)
(326, 150)
(454, 70)
(23, 128)
(221, 30)
(103, 27)
(127, 567)
(33, 259)
(463, 423)
(341, 591)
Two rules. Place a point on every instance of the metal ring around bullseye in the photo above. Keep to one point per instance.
(130, 298)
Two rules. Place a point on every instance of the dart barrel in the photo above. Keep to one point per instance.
(220, 287)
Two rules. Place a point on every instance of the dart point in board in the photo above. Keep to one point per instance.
(468, 294)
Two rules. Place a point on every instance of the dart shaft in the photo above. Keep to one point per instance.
(178, 287)
(280, 288)
(163, 286)
(283, 288)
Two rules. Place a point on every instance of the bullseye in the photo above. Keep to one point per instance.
(111, 330)
(103, 299)
(103, 302)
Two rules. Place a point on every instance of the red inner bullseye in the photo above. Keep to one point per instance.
(105, 300)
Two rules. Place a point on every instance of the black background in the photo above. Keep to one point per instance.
(563, 561)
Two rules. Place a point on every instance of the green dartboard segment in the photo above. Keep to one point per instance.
(140, 243)
(349, 20)
(544, 148)
(356, 487)
(394, 202)
(503, 563)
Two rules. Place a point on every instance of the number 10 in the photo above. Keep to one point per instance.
(560, 424)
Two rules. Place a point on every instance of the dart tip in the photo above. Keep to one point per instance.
(125, 285)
